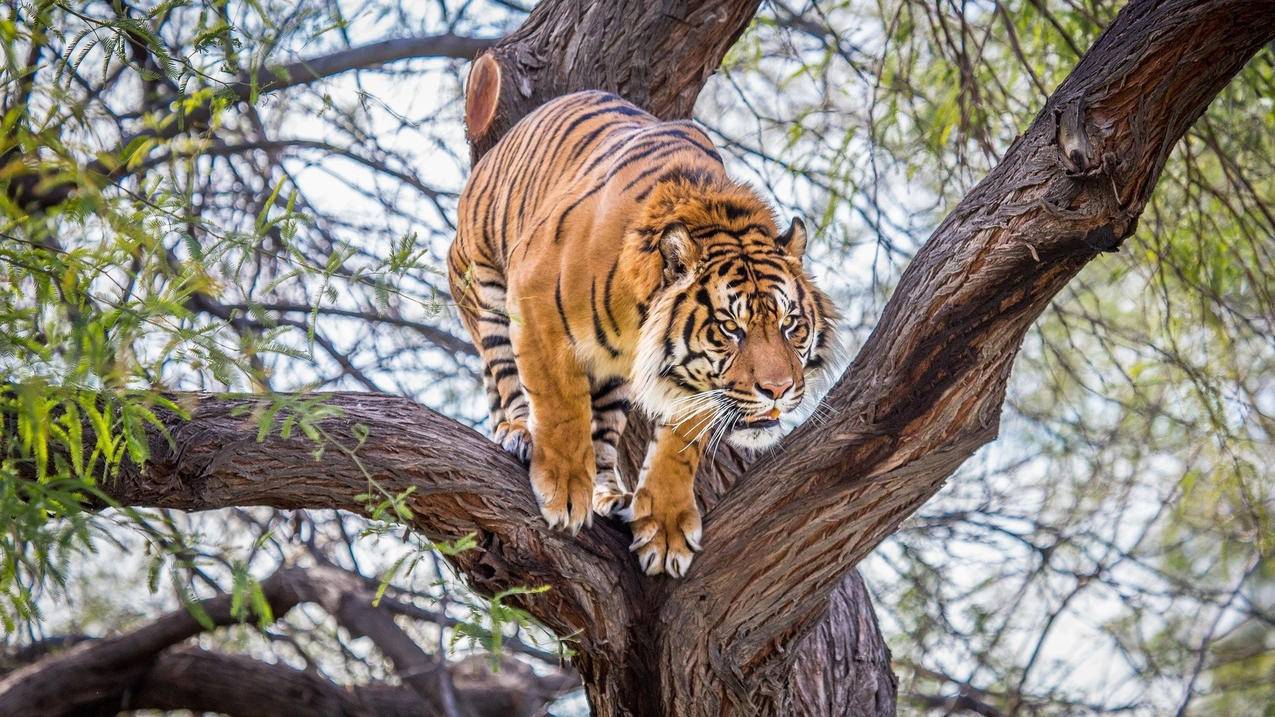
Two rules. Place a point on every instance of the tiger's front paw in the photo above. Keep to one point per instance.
(666, 532)
(514, 437)
(565, 496)
(610, 497)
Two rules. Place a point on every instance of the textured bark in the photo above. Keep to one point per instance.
(843, 666)
(189, 678)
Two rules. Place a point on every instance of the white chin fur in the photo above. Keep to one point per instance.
(756, 438)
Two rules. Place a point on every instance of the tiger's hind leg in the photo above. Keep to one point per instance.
(610, 398)
(480, 294)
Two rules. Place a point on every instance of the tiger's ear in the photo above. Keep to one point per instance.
(678, 250)
(794, 240)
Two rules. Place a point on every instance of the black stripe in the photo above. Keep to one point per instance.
(688, 331)
(733, 211)
(606, 435)
(662, 149)
(612, 384)
(583, 144)
(598, 331)
(655, 167)
(606, 296)
(524, 156)
(506, 372)
(562, 314)
(621, 404)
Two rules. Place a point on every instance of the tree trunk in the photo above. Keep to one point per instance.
(660, 62)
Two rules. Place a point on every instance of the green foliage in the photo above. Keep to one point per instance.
(419, 551)
(130, 287)
(487, 624)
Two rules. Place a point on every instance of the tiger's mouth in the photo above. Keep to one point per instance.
(769, 419)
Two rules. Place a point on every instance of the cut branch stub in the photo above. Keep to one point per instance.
(482, 95)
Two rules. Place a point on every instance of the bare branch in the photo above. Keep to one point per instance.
(29, 190)
(64, 682)
(372, 55)
(141, 670)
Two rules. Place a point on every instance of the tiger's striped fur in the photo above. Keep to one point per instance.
(604, 257)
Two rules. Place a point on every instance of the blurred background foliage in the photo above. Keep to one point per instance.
(234, 227)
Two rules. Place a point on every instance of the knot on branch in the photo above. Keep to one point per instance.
(1110, 236)
(1072, 138)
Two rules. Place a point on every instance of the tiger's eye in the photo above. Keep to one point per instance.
(793, 326)
(731, 328)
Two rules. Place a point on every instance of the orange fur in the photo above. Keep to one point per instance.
(603, 256)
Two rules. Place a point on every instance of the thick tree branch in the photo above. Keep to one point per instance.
(926, 389)
(190, 678)
(459, 482)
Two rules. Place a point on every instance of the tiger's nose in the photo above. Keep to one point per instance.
(774, 388)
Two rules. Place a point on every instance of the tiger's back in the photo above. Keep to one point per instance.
(559, 163)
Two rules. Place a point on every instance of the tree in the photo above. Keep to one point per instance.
(751, 629)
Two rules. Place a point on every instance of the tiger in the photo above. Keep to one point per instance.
(604, 259)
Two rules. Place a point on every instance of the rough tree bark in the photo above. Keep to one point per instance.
(781, 542)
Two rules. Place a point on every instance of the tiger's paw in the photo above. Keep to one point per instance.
(609, 495)
(666, 533)
(514, 437)
(565, 497)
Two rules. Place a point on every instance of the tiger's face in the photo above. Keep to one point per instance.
(737, 338)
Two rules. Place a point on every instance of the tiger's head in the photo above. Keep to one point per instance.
(739, 336)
